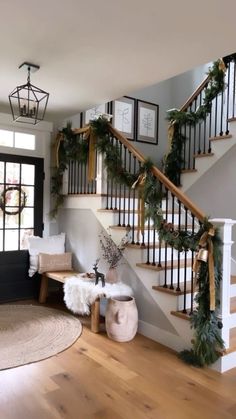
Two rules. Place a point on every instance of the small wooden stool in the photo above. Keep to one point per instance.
(62, 276)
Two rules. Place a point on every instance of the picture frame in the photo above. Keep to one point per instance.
(123, 111)
(89, 114)
(147, 122)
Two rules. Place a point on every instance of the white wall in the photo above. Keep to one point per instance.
(82, 229)
(42, 132)
(215, 192)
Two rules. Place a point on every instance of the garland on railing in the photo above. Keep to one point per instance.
(207, 342)
(177, 118)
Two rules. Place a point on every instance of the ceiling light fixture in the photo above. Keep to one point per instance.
(28, 103)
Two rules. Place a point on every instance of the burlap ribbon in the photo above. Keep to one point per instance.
(56, 147)
(91, 155)
(140, 182)
(222, 65)
(205, 242)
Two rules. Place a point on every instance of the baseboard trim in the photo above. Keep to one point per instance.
(161, 336)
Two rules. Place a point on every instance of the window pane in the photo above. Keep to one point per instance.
(1, 242)
(11, 221)
(27, 218)
(11, 239)
(27, 174)
(26, 141)
(24, 236)
(6, 138)
(12, 173)
(1, 171)
(1, 218)
(29, 191)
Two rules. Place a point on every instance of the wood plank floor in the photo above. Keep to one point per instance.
(98, 378)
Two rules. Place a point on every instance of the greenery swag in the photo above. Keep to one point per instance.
(178, 118)
(207, 340)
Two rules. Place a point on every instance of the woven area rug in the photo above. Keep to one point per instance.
(31, 333)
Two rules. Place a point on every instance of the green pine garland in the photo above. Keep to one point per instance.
(207, 343)
(174, 159)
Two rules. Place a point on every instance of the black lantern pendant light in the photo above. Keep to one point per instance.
(28, 103)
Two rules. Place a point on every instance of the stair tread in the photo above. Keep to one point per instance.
(145, 245)
(115, 211)
(233, 279)
(220, 137)
(203, 155)
(188, 171)
(173, 291)
(232, 119)
(115, 227)
(181, 315)
(168, 266)
(233, 305)
(232, 341)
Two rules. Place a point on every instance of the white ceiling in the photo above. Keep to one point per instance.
(94, 51)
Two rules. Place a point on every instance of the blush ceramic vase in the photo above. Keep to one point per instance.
(112, 276)
(121, 318)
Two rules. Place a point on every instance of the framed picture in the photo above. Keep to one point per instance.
(147, 117)
(123, 120)
(92, 113)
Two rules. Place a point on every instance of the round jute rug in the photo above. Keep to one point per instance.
(31, 333)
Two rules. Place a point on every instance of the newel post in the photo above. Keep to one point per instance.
(101, 175)
(225, 230)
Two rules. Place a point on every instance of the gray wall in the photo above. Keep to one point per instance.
(82, 229)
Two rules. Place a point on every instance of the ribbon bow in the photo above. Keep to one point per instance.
(205, 242)
(140, 182)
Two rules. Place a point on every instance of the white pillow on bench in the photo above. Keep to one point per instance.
(50, 245)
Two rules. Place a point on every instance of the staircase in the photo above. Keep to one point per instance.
(165, 273)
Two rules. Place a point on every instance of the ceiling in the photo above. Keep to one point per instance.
(90, 52)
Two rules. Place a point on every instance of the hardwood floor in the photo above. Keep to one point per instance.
(98, 378)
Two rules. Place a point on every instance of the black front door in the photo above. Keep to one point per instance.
(21, 215)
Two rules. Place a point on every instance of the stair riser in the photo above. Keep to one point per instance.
(182, 274)
(142, 254)
(133, 219)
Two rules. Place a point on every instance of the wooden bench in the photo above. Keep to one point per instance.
(61, 277)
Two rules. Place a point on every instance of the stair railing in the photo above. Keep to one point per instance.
(174, 268)
(215, 125)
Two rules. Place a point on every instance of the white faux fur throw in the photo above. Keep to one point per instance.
(79, 293)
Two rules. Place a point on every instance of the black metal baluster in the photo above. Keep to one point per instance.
(172, 249)
(69, 178)
(185, 262)
(154, 248)
(134, 199)
(160, 242)
(139, 212)
(119, 217)
(148, 242)
(192, 273)
(221, 113)
(179, 228)
(190, 143)
(227, 104)
(194, 135)
(124, 189)
(166, 245)
(234, 77)
(129, 191)
(199, 129)
(216, 114)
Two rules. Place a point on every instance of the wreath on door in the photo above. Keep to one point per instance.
(20, 199)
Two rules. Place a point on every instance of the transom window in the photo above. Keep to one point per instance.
(17, 139)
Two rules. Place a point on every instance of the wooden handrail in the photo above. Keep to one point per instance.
(159, 175)
(195, 93)
(81, 130)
